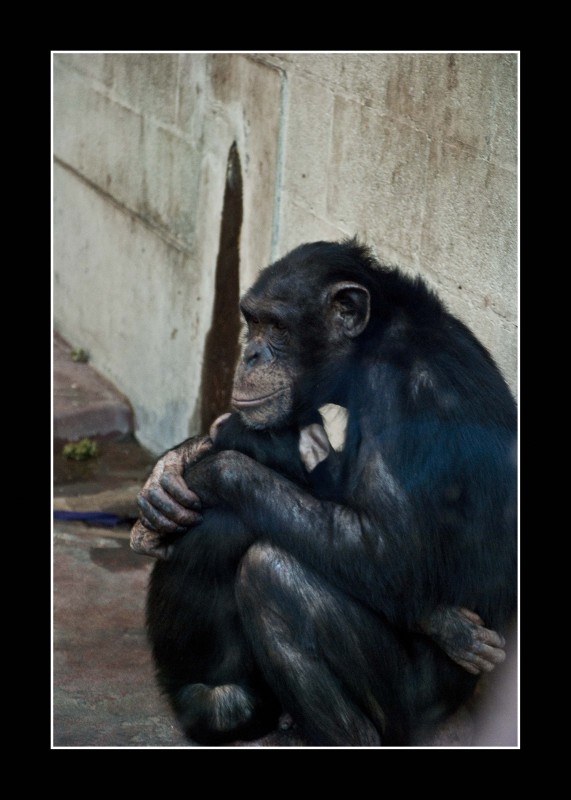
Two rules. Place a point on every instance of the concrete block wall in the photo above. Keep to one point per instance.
(414, 153)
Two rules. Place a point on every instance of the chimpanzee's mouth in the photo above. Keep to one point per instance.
(253, 402)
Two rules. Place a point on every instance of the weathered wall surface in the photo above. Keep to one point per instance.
(416, 154)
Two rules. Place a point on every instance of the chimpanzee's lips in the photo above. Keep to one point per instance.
(252, 402)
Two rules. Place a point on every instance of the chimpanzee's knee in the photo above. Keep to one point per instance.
(267, 576)
(259, 561)
(258, 575)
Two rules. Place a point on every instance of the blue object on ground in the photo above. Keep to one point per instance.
(95, 517)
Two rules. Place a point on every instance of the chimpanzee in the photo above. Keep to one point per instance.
(336, 596)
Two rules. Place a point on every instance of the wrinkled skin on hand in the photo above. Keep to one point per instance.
(166, 504)
(463, 637)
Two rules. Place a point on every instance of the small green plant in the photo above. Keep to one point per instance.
(79, 354)
(80, 451)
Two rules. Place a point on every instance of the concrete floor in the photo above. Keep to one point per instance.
(104, 693)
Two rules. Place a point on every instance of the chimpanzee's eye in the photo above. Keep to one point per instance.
(251, 323)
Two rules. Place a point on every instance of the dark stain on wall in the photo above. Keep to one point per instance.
(223, 340)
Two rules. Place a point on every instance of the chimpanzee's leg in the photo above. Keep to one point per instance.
(341, 672)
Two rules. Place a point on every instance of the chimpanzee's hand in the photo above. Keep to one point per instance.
(166, 504)
(463, 637)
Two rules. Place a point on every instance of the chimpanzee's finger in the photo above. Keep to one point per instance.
(158, 522)
(176, 487)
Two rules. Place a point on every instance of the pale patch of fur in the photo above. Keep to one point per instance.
(231, 706)
(335, 423)
(421, 379)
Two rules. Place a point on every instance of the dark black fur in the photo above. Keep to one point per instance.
(330, 594)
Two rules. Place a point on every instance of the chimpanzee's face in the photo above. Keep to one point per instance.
(301, 326)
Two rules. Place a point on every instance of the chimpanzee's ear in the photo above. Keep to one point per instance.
(349, 307)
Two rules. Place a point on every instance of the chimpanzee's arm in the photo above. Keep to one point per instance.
(332, 537)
